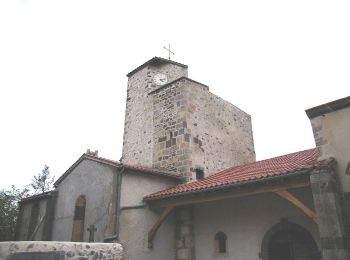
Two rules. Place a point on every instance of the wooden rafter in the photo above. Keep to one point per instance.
(234, 193)
(154, 229)
(288, 196)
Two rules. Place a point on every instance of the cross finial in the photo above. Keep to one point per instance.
(170, 52)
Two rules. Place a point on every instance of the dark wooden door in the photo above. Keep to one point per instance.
(292, 244)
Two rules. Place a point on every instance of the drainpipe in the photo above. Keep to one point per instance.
(115, 237)
(117, 208)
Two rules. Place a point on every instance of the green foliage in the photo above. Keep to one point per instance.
(9, 210)
(9, 199)
(43, 181)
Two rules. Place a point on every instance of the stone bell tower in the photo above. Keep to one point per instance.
(175, 123)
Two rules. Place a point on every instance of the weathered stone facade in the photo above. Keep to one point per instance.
(67, 250)
(181, 126)
(194, 129)
(138, 125)
(327, 203)
(175, 123)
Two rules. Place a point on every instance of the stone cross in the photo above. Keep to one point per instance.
(91, 230)
(170, 52)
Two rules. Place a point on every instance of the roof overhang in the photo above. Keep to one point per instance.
(155, 61)
(38, 197)
(243, 189)
(328, 107)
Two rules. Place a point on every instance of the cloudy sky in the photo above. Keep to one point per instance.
(63, 67)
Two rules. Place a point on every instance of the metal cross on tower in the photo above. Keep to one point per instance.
(170, 52)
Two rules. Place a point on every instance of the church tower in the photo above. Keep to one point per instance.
(175, 123)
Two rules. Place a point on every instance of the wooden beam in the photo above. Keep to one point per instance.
(233, 193)
(153, 231)
(288, 196)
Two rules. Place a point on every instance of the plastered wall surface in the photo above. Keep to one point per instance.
(134, 233)
(332, 132)
(24, 227)
(23, 233)
(245, 221)
(94, 180)
(136, 222)
(137, 185)
(138, 125)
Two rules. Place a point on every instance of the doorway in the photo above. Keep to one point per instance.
(289, 241)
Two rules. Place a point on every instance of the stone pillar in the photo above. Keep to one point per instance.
(184, 233)
(329, 214)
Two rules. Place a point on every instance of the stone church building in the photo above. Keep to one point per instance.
(188, 185)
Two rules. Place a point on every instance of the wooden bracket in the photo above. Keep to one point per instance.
(154, 229)
(288, 196)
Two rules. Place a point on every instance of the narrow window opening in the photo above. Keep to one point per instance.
(78, 220)
(220, 241)
(199, 174)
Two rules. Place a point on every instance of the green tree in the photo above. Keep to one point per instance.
(9, 199)
(43, 181)
(9, 211)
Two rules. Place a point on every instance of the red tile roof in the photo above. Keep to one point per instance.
(278, 166)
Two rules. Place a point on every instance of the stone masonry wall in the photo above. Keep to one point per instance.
(138, 136)
(69, 250)
(327, 203)
(195, 129)
(171, 135)
(221, 133)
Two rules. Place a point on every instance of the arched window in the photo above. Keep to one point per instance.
(78, 221)
(220, 242)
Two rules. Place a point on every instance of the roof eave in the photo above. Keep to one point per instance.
(40, 196)
(328, 107)
(244, 183)
(154, 61)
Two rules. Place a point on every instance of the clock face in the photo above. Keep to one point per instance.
(160, 79)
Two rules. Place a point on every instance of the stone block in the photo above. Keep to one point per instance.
(69, 250)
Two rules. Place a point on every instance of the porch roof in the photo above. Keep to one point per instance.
(299, 163)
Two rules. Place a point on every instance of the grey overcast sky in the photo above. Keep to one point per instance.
(63, 67)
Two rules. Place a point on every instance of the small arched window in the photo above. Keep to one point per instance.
(220, 242)
(79, 217)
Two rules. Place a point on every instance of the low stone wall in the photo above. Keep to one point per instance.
(61, 250)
